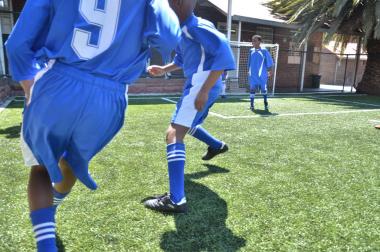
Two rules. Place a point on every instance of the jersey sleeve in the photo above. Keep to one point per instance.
(23, 41)
(268, 59)
(178, 61)
(162, 29)
(216, 46)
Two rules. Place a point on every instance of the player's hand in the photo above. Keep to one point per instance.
(201, 100)
(155, 70)
(26, 86)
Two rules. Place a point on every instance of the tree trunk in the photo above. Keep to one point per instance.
(370, 83)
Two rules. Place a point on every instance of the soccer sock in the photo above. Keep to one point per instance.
(58, 197)
(224, 89)
(252, 96)
(203, 135)
(176, 156)
(265, 99)
(43, 221)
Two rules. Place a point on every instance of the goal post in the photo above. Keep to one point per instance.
(238, 79)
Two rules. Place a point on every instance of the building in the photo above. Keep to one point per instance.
(249, 17)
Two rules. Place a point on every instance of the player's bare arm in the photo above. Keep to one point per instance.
(270, 72)
(26, 86)
(203, 93)
(156, 70)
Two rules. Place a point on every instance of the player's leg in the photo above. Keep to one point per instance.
(176, 156)
(215, 146)
(40, 191)
(224, 86)
(264, 91)
(185, 117)
(42, 212)
(252, 93)
(175, 201)
(63, 188)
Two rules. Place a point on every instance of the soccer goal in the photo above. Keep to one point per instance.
(238, 79)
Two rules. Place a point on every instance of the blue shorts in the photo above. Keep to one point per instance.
(263, 87)
(72, 114)
(258, 83)
(186, 114)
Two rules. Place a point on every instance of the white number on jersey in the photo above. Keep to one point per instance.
(106, 20)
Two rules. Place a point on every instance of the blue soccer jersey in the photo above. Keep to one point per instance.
(103, 39)
(202, 48)
(77, 105)
(259, 62)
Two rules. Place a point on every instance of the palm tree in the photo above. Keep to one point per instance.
(341, 19)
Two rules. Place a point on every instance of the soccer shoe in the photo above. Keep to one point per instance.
(164, 204)
(211, 153)
(252, 108)
(266, 107)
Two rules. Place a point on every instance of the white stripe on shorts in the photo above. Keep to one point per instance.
(187, 112)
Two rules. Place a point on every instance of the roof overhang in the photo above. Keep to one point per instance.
(265, 22)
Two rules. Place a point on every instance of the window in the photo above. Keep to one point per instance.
(294, 55)
(6, 23)
(222, 27)
(266, 33)
(4, 4)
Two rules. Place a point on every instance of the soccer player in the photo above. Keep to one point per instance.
(260, 65)
(76, 104)
(204, 54)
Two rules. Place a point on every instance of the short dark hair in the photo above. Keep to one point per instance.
(258, 37)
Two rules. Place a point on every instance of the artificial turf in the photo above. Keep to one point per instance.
(303, 177)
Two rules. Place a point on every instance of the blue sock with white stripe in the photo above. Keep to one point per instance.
(58, 197)
(203, 135)
(252, 97)
(43, 221)
(176, 156)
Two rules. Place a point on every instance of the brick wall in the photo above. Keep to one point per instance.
(157, 86)
(333, 68)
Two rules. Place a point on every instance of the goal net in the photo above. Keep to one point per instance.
(237, 81)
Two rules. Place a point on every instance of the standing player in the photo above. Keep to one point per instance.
(260, 65)
(78, 103)
(204, 54)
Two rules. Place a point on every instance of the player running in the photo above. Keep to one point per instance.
(203, 54)
(76, 105)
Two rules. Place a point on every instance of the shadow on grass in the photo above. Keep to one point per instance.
(203, 228)
(11, 132)
(60, 245)
(264, 113)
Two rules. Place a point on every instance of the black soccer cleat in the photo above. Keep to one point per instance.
(252, 108)
(164, 204)
(211, 153)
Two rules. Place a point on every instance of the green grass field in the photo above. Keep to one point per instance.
(304, 177)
